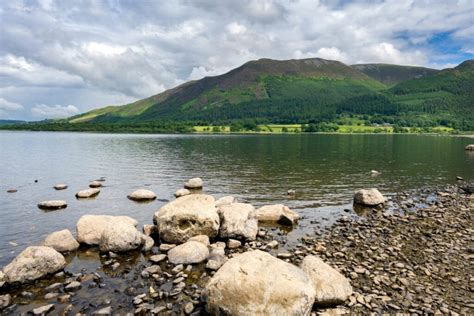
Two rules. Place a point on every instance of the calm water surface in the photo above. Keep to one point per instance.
(323, 169)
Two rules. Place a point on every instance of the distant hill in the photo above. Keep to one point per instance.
(393, 74)
(10, 122)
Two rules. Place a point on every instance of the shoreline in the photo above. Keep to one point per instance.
(379, 252)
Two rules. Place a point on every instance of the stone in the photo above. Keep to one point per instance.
(232, 244)
(73, 286)
(12, 191)
(33, 263)
(90, 227)
(186, 217)
(103, 311)
(201, 238)
(157, 258)
(60, 186)
(331, 287)
(188, 308)
(194, 183)
(121, 236)
(272, 244)
(43, 310)
(142, 195)
(86, 194)
(369, 197)
(149, 229)
(95, 184)
(62, 241)
(147, 242)
(166, 247)
(225, 200)
(182, 192)
(469, 147)
(5, 301)
(52, 205)
(188, 253)
(238, 220)
(216, 258)
(256, 283)
(274, 213)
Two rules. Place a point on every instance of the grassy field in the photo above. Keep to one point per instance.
(297, 128)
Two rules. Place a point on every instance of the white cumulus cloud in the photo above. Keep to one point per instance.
(54, 111)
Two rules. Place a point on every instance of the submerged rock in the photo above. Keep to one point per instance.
(188, 253)
(61, 241)
(12, 190)
(33, 263)
(52, 205)
(277, 213)
(187, 217)
(238, 220)
(60, 186)
(89, 193)
(370, 197)
(182, 192)
(90, 227)
(331, 287)
(255, 282)
(194, 183)
(142, 195)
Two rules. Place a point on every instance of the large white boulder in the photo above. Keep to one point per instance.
(142, 195)
(52, 205)
(331, 287)
(370, 197)
(194, 183)
(256, 283)
(238, 220)
(188, 253)
(90, 227)
(33, 263)
(89, 193)
(120, 236)
(277, 213)
(61, 241)
(186, 217)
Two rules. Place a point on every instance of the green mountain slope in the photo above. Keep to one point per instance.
(393, 74)
(309, 91)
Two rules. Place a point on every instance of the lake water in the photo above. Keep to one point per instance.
(324, 170)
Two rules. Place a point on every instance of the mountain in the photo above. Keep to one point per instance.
(11, 122)
(309, 90)
(393, 74)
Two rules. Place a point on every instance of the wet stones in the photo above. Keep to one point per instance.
(43, 310)
(62, 241)
(275, 213)
(12, 190)
(52, 205)
(33, 263)
(369, 197)
(142, 195)
(186, 217)
(87, 194)
(331, 287)
(190, 252)
(95, 184)
(73, 286)
(5, 301)
(60, 186)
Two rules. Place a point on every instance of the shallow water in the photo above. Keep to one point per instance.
(323, 169)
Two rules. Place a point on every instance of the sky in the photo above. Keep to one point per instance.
(65, 57)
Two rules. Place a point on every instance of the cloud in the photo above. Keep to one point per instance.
(54, 111)
(9, 106)
(108, 52)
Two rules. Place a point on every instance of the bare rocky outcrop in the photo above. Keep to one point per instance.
(90, 227)
(369, 197)
(62, 241)
(33, 263)
(142, 195)
(277, 213)
(331, 287)
(188, 253)
(187, 217)
(255, 282)
(238, 220)
(52, 205)
(86, 194)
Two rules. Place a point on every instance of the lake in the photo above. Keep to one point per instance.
(324, 170)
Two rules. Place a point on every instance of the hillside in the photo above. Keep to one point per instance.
(393, 74)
